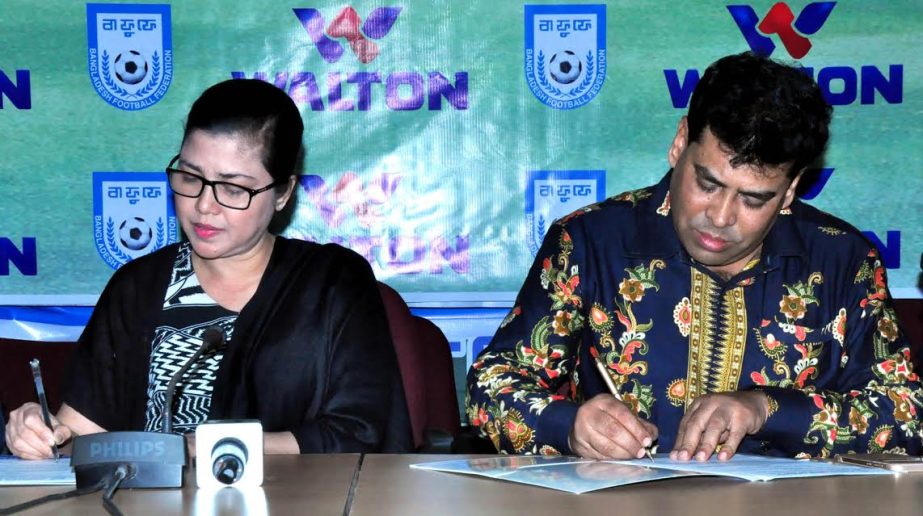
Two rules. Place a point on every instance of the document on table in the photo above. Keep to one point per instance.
(577, 475)
(17, 472)
(571, 474)
(759, 467)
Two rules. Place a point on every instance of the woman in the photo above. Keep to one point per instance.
(307, 351)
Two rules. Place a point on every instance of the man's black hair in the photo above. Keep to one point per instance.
(763, 112)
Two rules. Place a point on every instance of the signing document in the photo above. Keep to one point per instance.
(17, 472)
(578, 475)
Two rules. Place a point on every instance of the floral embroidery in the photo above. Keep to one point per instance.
(887, 329)
(858, 421)
(824, 423)
(793, 307)
(904, 411)
(664, 208)
(539, 355)
(561, 324)
(633, 196)
(632, 290)
(510, 316)
(519, 434)
(897, 368)
(600, 320)
(880, 438)
(620, 358)
(682, 316)
(676, 392)
(548, 450)
(838, 326)
(773, 406)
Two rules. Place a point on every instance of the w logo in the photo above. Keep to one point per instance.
(368, 203)
(781, 20)
(346, 25)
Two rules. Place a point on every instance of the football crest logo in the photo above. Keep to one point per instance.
(130, 53)
(552, 194)
(565, 57)
(132, 215)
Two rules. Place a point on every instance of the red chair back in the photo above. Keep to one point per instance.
(16, 385)
(425, 361)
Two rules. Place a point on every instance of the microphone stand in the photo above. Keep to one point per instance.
(212, 340)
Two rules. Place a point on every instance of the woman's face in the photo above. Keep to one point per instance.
(216, 231)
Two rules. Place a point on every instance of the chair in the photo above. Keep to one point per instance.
(16, 385)
(425, 362)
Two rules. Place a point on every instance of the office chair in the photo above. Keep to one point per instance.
(425, 362)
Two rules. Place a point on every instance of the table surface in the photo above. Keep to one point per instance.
(385, 484)
(292, 484)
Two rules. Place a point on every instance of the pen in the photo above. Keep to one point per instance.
(615, 392)
(43, 401)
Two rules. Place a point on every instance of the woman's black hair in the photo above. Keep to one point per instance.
(254, 109)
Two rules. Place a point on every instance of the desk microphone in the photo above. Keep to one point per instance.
(229, 453)
(212, 340)
(154, 459)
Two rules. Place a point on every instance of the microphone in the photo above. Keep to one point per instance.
(212, 340)
(229, 453)
(152, 459)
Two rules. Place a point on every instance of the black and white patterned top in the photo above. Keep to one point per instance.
(187, 312)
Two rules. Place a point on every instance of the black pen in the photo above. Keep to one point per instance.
(43, 401)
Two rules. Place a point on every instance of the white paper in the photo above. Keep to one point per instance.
(17, 472)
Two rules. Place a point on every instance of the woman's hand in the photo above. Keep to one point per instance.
(27, 436)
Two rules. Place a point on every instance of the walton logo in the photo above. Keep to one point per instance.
(841, 85)
(346, 25)
(369, 219)
(779, 21)
(357, 90)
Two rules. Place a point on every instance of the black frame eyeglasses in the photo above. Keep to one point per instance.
(227, 189)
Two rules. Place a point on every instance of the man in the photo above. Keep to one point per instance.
(729, 316)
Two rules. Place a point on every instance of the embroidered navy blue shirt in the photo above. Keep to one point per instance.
(810, 322)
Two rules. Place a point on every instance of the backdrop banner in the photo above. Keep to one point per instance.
(442, 137)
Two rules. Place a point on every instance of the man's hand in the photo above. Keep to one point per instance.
(27, 436)
(605, 428)
(719, 419)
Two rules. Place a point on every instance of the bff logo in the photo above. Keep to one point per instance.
(346, 25)
(565, 53)
(133, 215)
(780, 20)
(552, 194)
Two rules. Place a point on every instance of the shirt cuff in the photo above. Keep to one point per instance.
(790, 415)
(554, 424)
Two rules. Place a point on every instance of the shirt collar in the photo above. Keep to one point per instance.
(654, 234)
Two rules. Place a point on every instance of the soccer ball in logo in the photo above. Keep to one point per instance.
(130, 67)
(135, 233)
(565, 67)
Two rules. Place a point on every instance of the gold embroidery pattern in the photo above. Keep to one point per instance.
(700, 336)
(715, 357)
(730, 351)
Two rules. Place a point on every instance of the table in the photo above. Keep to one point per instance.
(387, 485)
(384, 484)
(292, 484)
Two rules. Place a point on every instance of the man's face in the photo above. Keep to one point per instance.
(722, 213)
